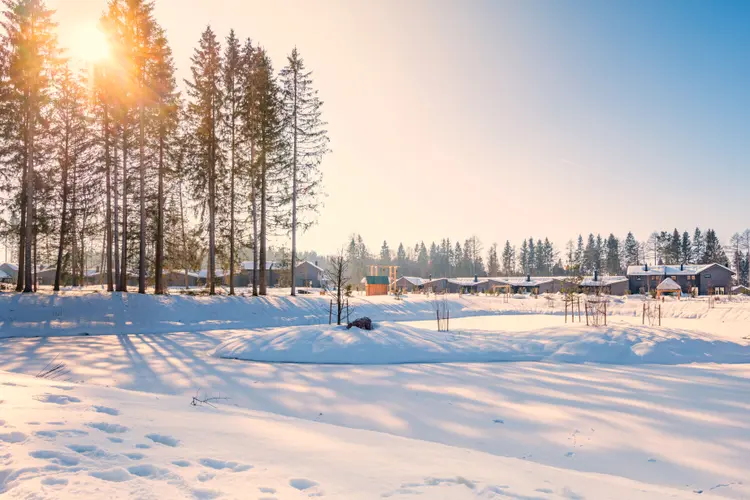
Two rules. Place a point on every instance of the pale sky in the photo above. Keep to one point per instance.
(506, 119)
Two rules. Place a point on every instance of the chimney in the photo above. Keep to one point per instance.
(528, 277)
(682, 267)
(476, 278)
(645, 268)
(596, 275)
(316, 263)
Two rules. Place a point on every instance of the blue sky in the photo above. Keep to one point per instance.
(508, 119)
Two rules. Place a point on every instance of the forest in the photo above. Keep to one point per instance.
(114, 167)
(540, 257)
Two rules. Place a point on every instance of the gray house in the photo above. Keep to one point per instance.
(409, 283)
(308, 274)
(11, 270)
(694, 279)
(605, 285)
(454, 285)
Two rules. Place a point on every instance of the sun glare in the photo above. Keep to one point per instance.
(89, 44)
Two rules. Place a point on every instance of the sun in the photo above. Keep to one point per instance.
(89, 44)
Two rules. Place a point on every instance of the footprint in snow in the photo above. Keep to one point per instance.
(55, 457)
(115, 439)
(181, 463)
(205, 494)
(30, 423)
(148, 471)
(105, 409)
(570, 454)
(306, 485)
(69, 433)
(206, 476)
(267, 490)
(58, 399)
(143, 446)
(62, 387)
(108, 428)
(51, 481)
(135, 456)
(163, 439)
(222, 464)
(13, 437)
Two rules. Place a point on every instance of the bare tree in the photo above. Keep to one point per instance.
(338, 276)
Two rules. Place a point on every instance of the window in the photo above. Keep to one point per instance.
(639, 278)
(707, 276)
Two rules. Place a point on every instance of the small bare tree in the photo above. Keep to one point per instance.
(338, 276)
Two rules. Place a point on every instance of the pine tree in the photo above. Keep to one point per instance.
(631, 250)
(422, 259)
(305, 130)
(166, 103)
(385, 254)
(675, 243)
(613, 255)
(32, 56)
(531, 259)
(590, 257)
(686, 249)
(580, 255)
(70, 127)
(205, 114)
(508, 254)
(523, 257)
(493, 264)
(699, 246)
(714, 253)
(232, 79)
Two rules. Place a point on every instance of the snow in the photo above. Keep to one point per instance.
(603, 281)
(624, 411)
(669, 270)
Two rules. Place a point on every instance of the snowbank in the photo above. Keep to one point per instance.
(540, 338)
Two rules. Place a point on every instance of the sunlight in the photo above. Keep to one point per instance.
(89, 44)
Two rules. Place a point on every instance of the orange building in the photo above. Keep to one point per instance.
(376, 285)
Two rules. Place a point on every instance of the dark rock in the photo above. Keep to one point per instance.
(361, 323)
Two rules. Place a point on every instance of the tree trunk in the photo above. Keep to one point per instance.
(108, 215)
(254, 215)
(211, 274)
(159, 281)
(63, 214)
(22, 233)
(294, 185)
(184, 239)
(114, 242)
(74, 228)
(142, 196)
(263, 283)
(231, 211)
(28, 286)
(124, 249)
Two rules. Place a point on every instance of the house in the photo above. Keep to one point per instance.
(245, 276)
(604, 285)
(534, 284)
(11, 270)
(409, 283)
(376, 285)
(741, 290)
(5, 277)
(308, 274)
(694, 279)
(174, 278)
(455, 285)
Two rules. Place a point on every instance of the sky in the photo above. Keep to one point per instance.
(506, 119)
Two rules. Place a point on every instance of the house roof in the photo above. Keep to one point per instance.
(377, 280)
(669, 284)
(4, 275)
(413, 280)
(740, 288)
(671, 270)
(247, 265)
(11, 266)
(603, 281)
(311, 264)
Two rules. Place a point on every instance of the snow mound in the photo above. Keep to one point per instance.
(399, 343)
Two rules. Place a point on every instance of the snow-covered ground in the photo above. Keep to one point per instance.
(586, 419)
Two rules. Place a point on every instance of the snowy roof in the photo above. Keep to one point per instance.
(525, 281)
(203, 273)
(413, 280)
(603, 281)
(4, 275)
(12, 266)
(669, 284)
(248, 265)
(310, 263)
(671, 270)
(741, 288)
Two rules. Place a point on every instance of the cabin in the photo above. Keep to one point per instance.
(177, 279)
(308, 274)
(668, 286)
(455, 285)
(409, 284)
(604, 285)
(376, 285)
(693, 279)
(741, 290)
(244, 275)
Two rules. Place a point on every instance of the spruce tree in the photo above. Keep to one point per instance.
(508, 253)
(493, 264)
(205, 114)
(305, 131)
(686, 249)
(631, 250)
(699, 246)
